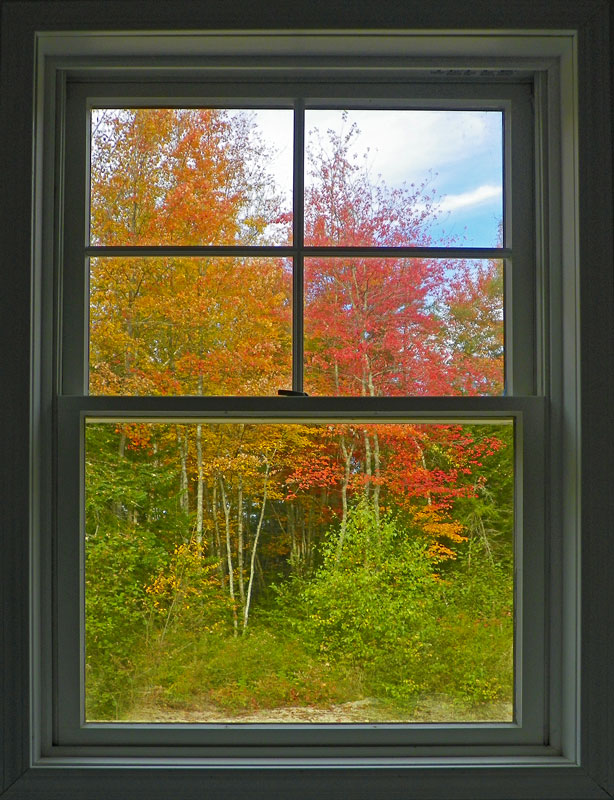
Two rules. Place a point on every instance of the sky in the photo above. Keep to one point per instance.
(456, 153)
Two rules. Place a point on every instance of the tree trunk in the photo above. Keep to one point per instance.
(377, 484)
(347, 455)
(200, 476)
(254, 548)
(218, 541)
(429, 499)
(376, 459)
(199, 486)
(183, 455)
(368, 469)
(240, 540)
(121, 450)
(231, 585)
(295, 556)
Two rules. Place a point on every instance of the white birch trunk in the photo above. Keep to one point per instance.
(250, 585)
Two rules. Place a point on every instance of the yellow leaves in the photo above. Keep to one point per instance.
(437, 525)
(186, 576)
(247, 465)
(439, 552)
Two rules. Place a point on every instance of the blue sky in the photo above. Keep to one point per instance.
(458, 154)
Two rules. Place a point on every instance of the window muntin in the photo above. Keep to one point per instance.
(528, 703)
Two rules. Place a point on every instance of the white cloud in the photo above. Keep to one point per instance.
(449, 151)
(483, 194)
(411, 146)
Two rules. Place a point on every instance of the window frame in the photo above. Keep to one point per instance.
(120, 740)
(584, 766)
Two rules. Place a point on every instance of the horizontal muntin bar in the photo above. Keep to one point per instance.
(299, 409)
(409, 252)
(290, 252)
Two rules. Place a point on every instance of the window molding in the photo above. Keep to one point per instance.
(587, 740)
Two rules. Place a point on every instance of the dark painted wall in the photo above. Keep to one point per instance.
(15, 167)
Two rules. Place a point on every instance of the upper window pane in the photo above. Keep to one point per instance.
(420, 178)
(224, 177)
(206, 176)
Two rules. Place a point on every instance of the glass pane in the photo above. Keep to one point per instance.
(206, 176)
(190, 326)
(404, 178)
(390, 326)
(299, 572)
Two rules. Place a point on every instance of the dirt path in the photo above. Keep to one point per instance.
(358, 711)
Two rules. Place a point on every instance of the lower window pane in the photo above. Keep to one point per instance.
(299, 573)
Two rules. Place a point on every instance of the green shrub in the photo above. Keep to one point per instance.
(258, 670)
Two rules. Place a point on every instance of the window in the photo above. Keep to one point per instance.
(288, 262)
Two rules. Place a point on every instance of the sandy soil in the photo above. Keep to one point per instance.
(359, 711)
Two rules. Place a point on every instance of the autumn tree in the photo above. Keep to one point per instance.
(184, 325)
(170, 325)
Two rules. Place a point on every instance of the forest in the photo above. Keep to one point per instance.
(302, 571)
